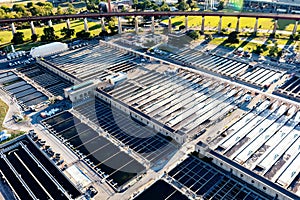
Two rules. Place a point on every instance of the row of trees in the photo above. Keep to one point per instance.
(150, 5)
(31, 9)
(46, 8)
(49, 35)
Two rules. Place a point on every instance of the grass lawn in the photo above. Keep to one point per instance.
(77, 25)
(245, 22)
(3, 111)
(193, 21)
(251, 45)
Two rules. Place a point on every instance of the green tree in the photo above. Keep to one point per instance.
(164, 7)
(36, 10)
(103, 33)
(47, 8)
(71, 9)
(147, 4)
(183, 6)
(124, 9)
(67, 33)
(232, 38)
(29, 4)
(6, 8)
(194, 34)
(221, 5)
(59, 11)
(141, 5)
(2, 13)
(19, 8)
(34, 37)
(155, 7)
(193, 5)
(135, 4)
(9, 15)
(18, 38)
(273, 52)
(26, 14)
(181, 27)
(91, 7)
(112, 27)
(258, 50)
(83, 34)
(49, 35)
(41, 4)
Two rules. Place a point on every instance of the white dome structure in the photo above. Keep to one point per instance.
(48, 49)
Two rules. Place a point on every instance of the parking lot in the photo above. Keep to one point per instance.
(46, 79)
(32, 175)
(266, 140)
(185, 101)
(96, 61)
(99, 153)
(258, 75)
(18, 88)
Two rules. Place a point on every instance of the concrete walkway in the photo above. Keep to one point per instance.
(14, 108)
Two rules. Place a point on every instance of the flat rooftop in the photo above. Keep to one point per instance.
(94, 61)
(266, 140)
(146, 141)
(31, 174)
(253, 129)
(183, 100)
(22, 90)
(258, 75)
(200, 179)
(161, 190)
(290, 88)
(103, 156)
(46, 79)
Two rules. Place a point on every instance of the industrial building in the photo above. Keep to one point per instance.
(290, 88)
(201, 180)
(133, 113)
(31, 175)
(21, 90)
(268, 144)
(93, 62)
(179, 100)
(111, 164)
(155, 99)
(255, 75)
(280, 6)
